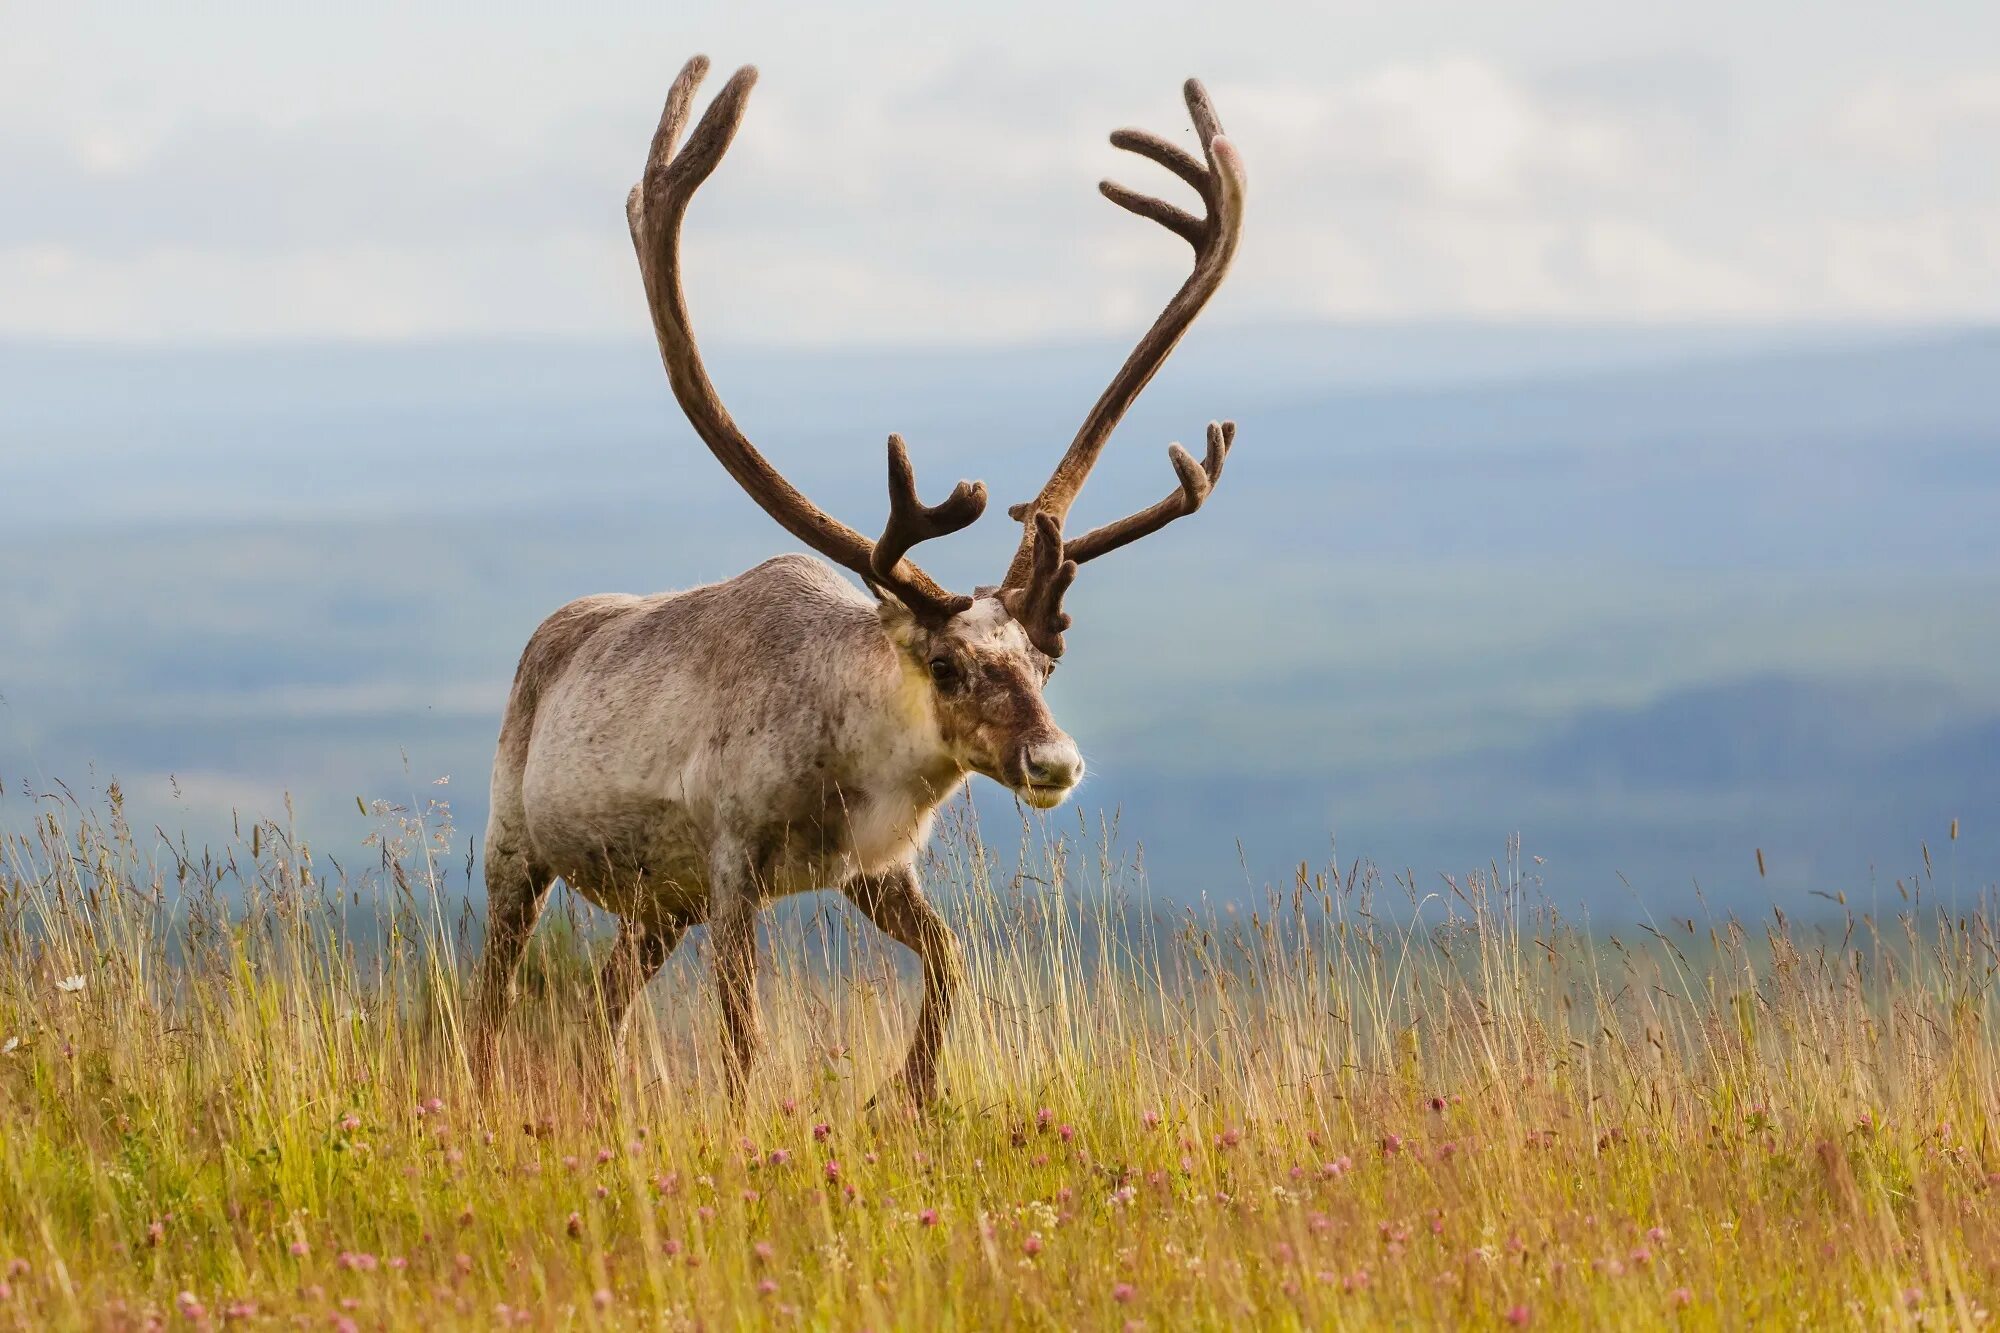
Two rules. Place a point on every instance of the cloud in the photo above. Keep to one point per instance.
(947, 196)
(1911, 123)
(1457, 129)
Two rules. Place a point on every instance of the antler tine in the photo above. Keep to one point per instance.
(1037, 604)
(1207, 125)
(673, 118)
(1197, 480)
(912, 521)
(655, 209)
(1176, 220)
(1218, 177)
(1165, 152)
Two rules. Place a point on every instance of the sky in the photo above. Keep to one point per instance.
(924, 174)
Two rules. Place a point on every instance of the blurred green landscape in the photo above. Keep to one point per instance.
(1652, 599)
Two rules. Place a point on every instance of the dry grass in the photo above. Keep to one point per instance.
(234, 1091)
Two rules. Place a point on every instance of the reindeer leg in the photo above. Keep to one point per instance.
(894, 901)
(735, 891)
(641, 951)
(516, 889)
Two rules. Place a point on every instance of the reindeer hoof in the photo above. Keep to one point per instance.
(901, 1097)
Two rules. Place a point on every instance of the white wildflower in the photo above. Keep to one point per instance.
(70, 985)
(11, 1045)
(1040, 1215)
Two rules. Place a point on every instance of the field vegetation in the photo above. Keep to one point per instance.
(234, 1092)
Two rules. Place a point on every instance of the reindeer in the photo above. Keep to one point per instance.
(689, 756)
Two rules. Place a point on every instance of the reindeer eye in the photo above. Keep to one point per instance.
(945, 672)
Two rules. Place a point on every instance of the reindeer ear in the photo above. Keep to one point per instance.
(898, 620)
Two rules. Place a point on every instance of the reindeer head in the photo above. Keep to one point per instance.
(984, 680)
(985, 657)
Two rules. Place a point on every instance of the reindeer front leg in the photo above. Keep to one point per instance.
(894, 901)
(735, 892)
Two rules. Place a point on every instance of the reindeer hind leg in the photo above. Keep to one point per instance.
(516, 890)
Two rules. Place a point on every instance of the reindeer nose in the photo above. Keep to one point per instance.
(1054, 764)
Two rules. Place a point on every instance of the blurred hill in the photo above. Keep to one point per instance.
(1653, 598)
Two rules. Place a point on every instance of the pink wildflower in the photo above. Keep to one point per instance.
(1151, 1119)
(821, 1132)
(1123, 1293)
(1680, 1298)
(1518, 1316)
(1033, 1244)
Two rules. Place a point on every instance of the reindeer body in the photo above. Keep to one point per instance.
(770, 711)
(687, 756)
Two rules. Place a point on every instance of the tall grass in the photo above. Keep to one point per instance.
(234, 1088)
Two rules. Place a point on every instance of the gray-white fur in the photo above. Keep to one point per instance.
(689, 756)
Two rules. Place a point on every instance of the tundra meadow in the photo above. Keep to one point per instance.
(234, 1092)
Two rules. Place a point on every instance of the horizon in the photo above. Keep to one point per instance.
(1787, 661)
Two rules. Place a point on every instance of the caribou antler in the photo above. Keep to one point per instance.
(912, 521)
(654, 210)
(1218, 177)
(1037, 603)
(1197, 480)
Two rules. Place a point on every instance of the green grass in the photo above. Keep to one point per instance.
(236, 1092)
